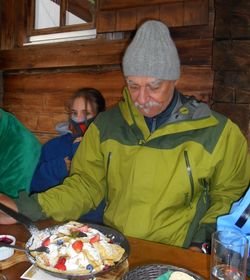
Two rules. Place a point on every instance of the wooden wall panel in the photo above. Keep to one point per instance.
(232, 87)
(38, 99)
(172, 12)
(233, 19)
(39, 79)
(121, 4)
(237, 113)
(126, 19)
(195, 12)
(92, 53)
(231, 62)
(231, 55)
(7, 26)
(105, 21)
(148, 12)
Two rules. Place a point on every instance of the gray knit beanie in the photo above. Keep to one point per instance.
(152, 53)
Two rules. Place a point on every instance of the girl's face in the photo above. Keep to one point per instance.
(82, 110)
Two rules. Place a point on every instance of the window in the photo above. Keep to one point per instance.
(60, 20)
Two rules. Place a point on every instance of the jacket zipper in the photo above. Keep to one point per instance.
(153, 127)
(107, 173)
(190, 176)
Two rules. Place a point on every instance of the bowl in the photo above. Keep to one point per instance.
(152, 271)
(6, 252)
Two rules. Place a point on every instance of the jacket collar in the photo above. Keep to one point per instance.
(188, 114)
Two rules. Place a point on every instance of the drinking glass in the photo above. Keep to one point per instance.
(229, 252)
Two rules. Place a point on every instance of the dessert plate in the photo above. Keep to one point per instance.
(115, 236)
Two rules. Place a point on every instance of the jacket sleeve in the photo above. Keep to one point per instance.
(84, 188)
(19, 154)
(229, 180)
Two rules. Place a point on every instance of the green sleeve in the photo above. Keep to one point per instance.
(29, 206)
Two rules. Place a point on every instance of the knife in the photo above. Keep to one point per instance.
(27, 222)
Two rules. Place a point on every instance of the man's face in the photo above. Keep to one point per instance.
(150, 95)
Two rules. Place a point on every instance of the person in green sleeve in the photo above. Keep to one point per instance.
(19, 154)
(166, 165)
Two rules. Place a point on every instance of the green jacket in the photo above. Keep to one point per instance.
(168, 186)
(19, 154)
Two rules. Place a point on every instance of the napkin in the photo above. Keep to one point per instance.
(34, 273)
(164, 276)
(178, 275)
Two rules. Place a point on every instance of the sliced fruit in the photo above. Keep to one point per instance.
(77, 246)
(46, 242)
(60, 266)
(95, 238)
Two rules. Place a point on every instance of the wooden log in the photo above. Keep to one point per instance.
(231, 86)
(92, 53)
(7, 26)
(196, 12)
(121, 4)
(232, 19)
(231, 55)
(238, 113)
(173, 13)
(38, 99)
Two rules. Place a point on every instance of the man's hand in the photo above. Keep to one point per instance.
(78, 139)
(4, 218)
(67, 162)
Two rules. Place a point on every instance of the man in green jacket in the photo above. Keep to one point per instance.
(166, 164)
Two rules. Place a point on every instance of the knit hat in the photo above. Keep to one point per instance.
(152, 53)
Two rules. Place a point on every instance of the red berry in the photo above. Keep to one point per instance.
(61, 260)
(46, 242)
(77, 246)
(60, 266)
(94, 239)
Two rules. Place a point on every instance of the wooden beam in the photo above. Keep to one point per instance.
(93, 52)
(231, 55)
(232, 19)
(121, 4)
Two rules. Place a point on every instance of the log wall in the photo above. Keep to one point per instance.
(231, 62)
(37, 80)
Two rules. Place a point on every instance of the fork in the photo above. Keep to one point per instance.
(19, 248)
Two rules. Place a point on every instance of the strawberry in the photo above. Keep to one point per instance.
(60, 266)
(46, 242)
(61, 260)
(77, 246)
(95, 238)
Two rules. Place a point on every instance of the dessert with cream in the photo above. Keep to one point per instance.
(76, 248)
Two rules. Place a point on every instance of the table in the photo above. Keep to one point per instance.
(142, 252)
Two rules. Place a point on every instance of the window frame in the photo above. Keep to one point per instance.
(31, 31)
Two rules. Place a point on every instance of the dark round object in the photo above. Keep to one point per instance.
(152, 271)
